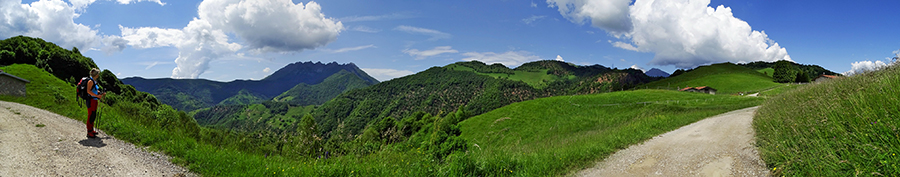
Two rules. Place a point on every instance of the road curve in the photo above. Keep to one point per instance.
(722, 145)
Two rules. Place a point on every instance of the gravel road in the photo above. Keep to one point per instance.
(60, 148)
(717, 146)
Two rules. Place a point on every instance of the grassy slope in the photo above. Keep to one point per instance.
(537, 79)
(843, 127)
(768, 71)
(48, 92)
(727, 78)
(552, 136)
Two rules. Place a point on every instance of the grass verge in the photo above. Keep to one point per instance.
(842, 127)
(556, 135)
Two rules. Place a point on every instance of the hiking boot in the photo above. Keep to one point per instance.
(92, 136)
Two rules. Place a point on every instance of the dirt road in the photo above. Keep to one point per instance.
(60, 148)
(717, 146)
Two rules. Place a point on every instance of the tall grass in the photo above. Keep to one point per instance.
(556, 135)
(842, 127)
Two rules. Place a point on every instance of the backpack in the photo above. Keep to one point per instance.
(81, 90)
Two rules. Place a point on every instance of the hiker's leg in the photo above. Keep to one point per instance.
(92, 114)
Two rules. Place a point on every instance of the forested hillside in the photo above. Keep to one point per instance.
(192, 94)
(472, 86)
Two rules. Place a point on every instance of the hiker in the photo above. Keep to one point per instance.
(95, 94)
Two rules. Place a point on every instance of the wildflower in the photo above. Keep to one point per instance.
(774, 168)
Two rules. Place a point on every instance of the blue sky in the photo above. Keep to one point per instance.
(249, 39)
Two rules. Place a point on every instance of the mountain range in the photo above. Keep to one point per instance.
(302, 77)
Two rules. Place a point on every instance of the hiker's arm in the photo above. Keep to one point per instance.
(90, 87)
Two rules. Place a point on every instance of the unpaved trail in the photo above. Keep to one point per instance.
(717, 146)
(60, 148)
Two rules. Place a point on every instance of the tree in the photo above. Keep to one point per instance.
(784, 72)
(802, 77)
(306, 143)
(677, 72)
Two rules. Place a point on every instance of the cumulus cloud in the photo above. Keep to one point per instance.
(264, 26)
(386, 74)
(130, 1)
(610, 15)
(559, 58)
(348, 49)
(267, 69)
(510, 58)
(51, 20)
(532, 19)
(272, 25)
(428, 53)
(435, 34)
(865, 66)
(533, 4)
(684, 33)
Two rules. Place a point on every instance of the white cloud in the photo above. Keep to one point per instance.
(623, 45)
(638, 68)
(265, 26)
(375, 17)
(152, 64)
(428, 53)
(559, 58)
(267, 69)
(683, 33)
(150, 37)
(272, 25)
(610, 15)
(366, 29)
(347, 49)
(533, 4)
(51, 20)
(510, 58)
(435, 34)
(386, 74)
(865, 66)
(532, 19)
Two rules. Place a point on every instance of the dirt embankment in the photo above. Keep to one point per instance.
(59, 148)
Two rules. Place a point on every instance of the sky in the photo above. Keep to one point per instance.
(226, 40)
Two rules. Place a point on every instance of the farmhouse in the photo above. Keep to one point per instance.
(823, 78)
(12, 85)
(703, 89)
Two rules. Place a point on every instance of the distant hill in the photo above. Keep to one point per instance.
(473, 86)
(727, 78)
(192, 94)
(811, 70)
(656, 72)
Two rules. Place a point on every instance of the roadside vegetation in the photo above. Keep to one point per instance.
(556, 135)
(842, 127)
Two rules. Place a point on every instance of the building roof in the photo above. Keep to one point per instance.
(829, 76)
(13, 76)
(697, 88)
